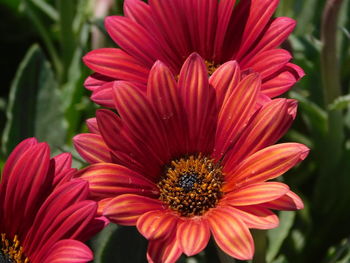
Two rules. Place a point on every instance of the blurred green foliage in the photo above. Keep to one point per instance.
(43, 96)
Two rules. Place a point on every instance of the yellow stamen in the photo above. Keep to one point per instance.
(211, 66)
(11, 251)
(191, 185)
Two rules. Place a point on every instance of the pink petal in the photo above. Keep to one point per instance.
(290, 201)
(193, 235)
(92, 148)
(257, 193)
(235, 113)
(156, 224)
(164, 250)
(279, 84)
(96, 80)
(127, 209)
(199, 102)
(69, 251)
(117, 64)
(92, 125)
(103, 95)
(110, 180)
(163, 93)
(231, 234)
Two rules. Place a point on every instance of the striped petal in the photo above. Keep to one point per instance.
(96, 80)
(235, 113)
(68, 251)
(127, 209)
(156, 224)
(224, 80)
(264, 128)
(92, 125)
(199, 102)
(279, 84)
(134, 39)
(289, 202)
(117, 64)
(258, 193)
(268, 62)
(163, 93)
(277, 32)
(193, 235)
(103, 95)
(231, 234)
(164, 250)
(255, 216)
(92, 148)
(110, 180)
(267, 164)
(141, 119)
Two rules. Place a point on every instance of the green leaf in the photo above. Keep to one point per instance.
(340, 103)
(35, 104)
(119, 244)
(277, 235)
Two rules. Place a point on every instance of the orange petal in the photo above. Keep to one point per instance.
(231, 234)
(256, 217)
(164, 250)
(109, 180)
(258, 193)
(127, 209)
(156, 224)
(92, 148)
(290, 201)
(193, 235)
(267, 164)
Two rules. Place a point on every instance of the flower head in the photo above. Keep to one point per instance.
(44, 215)
(192, 158)
(170, 31)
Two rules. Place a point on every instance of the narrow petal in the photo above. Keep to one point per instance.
(193, 235)
(267, 164)
(224, 80)
(163, 93)
(235, 113)
(96, 80)
(257, 193)
(279, 84)
(277, 32)
(255, 216)
(140, 118)
(231, 234)
(134, 39)
(265, 127)
(103, 95)
(224, 15)
(156, 224)
(110, 180)
(268, 62)
(199, 101)
(92, 125)
(117, 64)
(164, 250)
(290, 202)
(69, 251)
(127, 209)
(92, 148)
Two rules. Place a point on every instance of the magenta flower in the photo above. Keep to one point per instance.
(170, 31)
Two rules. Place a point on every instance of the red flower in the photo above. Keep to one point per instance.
(170, 31)
(191, 159)
(43, 213)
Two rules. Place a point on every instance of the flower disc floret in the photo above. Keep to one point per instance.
(191, 185)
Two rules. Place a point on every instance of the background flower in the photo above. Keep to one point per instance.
(171, 30)
(44, 215)
(192, 159)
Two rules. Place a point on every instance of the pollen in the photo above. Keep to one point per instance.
(211, 66)
(191, 185)
(11, 251)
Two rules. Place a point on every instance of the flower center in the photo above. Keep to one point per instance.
(211, 66)
(11, 251)
(191, 185)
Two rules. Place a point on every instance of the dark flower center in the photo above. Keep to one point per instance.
(191, 185)
(11, 251)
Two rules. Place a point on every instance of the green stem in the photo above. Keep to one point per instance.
(66, 10)
(260, 246)
(330, 73)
